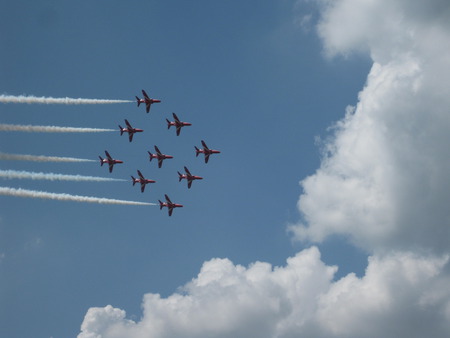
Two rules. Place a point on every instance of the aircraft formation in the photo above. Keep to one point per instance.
(158, 155)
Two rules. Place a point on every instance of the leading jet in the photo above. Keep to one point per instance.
(109, 160)
(160, 156)
(169, 205)
(130, 130)
(147, 100)
(205, 151)
(142, 180)
(177, 123)
(188, 176)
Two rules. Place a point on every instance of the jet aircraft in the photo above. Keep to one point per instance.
(177, 123)
(147, 100)
(142, 180)
(188, 176)
(109, 160)
(170, 206)
(160, 156)
(130, 130)
(205, 151)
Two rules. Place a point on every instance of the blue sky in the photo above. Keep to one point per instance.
(254, 82)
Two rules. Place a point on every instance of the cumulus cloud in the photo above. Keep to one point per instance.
(383, 182)
(298, 299)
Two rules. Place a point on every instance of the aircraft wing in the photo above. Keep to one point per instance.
(160, 162)
(206, 157)
(168, 199)
(189, 184)
(204, 145)
(170, 211)
(111, 166)
(157, 150)
(140, 175)
(175, 117)
(147, 107)
(187, 171)
(108, 155)
(128, 124)
(178, 130)
(145, 94)
(130, 136)
(142, 187)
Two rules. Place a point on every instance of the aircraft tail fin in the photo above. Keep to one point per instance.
(160, 205)
(138, 101)
(150, 154)
(134, 180)
(121, 130)
(168, 124)
(197, 151)
(180, 177)
(101, 160)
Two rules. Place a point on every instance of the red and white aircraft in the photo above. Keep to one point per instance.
(147, 100)
(169, 205)
(160, 156)
(109, 160)
(188, 176)
(177, 123)
(205, 151)
(130, 130)
(142, 180)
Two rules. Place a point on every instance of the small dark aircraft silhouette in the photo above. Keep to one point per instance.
(130, 130)
(188, 176)
(109, 160)
(147, 100)
(177, 123)
(160, 156)
(170, 206)
(142, 180)
(205, 151)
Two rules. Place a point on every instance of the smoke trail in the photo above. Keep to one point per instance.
(11, 174)
(40, 158)
(52, 100)
(50, 129)
(64, 197)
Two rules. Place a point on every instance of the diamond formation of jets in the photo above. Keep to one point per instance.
(169, 205)
(142, 180)
(160, 156)
(109, 160)
(130, 130)
(205, 151)
(177, 123)
(188, 176)
(147, 100)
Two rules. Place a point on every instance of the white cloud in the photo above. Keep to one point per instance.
(385, 180)
(299, 299)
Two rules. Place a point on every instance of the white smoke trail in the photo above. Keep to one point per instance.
(50, 129)
(12, 174)
(64, 197)
(52, 100)
(41, 158)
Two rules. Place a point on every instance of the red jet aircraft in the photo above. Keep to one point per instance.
(160, 156)
(130, 130)
(177, 123)
(109, 160)
(169, 205)
(188, 176)
(147, 100)
(205, 151)
(142, 180)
